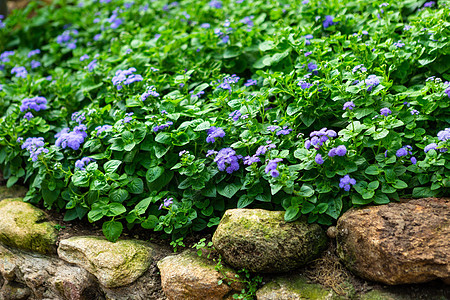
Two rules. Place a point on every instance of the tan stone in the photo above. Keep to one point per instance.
(398, 243)
(12, 192)
(25, 227)
(114, 264)
(261, 241)
(190, 277)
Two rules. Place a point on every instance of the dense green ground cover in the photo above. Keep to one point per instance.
(164, 115)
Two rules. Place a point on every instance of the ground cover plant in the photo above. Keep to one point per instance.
(165, 114)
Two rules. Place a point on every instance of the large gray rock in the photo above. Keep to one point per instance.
(33, 276)
(114, 264)
(398, 243)
(190, 277)
(25, 227)
(261, 241)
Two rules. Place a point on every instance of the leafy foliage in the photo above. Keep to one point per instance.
(164, 115)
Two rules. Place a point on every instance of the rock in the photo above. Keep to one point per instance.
(12, 192)
(190, 277)
(261, 241)
(34, 276)
(25, 227)
(331, 232)
(398, 243)
(114, 264)
(293, 288)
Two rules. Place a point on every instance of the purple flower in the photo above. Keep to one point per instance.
(308, 53)
(35, 146)
(308, 37)
(235, 115)
(82, 163)
(272, 166)
(349, 105)
(401, 152)
(210, 152)
(429, 147)
(328, 21)
(263, 149)
(319, 159)
(150, 92)
(205, 25)
(100, 129)
(215, 4)
(84, 57)
(284, 131)
(272, 128)
(36, 103)
(20, 72)
(399, 44)
(414, 112)
(78, 117)
(304, 85)
(341, 150)
(213, 133)
(227, 160)
(359, 68)
(162, 126)
(429, 4)
(250, 82)
(371, 82)
(4, 57)
(72, 139)
(385, 111)
(125, 77)
(444, 135)
(312, 67)
(166, 203)
(346, 182)
(35, 64)
(92, 65)
(413, 160)
(33, 52)
(249, 160)
(28, 116)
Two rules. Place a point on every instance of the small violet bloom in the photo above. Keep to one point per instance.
(346, 182)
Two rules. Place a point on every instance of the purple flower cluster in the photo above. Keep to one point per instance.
(349, 105)
(263, 149)
(429, 147)
(385, 111)
(213, 133)
(248, 21)
(444, 135)
(405, 151)
(429, 4)
(251, 82)
(339, 151)
(235, 115)
(4, 57)
(312, 67)
(162, 126)
(128, 118)
(271, 167)
(215, 4)
(36, 103)
(228, 81)
(399, 44)
(114, 20)
(149, 92)
(166, 203)
(308, 37)
(35, 64)
(72, 139)
(227, 160)
(328, 21)
(100, 129)
(125, 77)
(304, 85)
(414, 112)
(35, 146)
(20, 72)
(319, 159)
(82, 163)
(28, 116)
(371, 82)
(346, 182)
(284, 131)
(249, 160)
(91, 66)
(360, 68)
(84, 57)
(67, 39)
(319, 137)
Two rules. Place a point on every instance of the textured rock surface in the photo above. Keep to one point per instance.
(397, 243)
(293, 288)
(33, 276)
(261, 241)
(190, 277)
(25, 227)
(12, 192)
(114, 264)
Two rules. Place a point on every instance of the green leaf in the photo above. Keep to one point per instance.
(112, 230)
(399, 184)
(244, 201)
(372, 170)
(203, 126)
(142, 206)
(163, 138)
(111, 166)
(423, 192)
(266, 45)
(358, 200)
(136, 186)
(49, 197)
(305, 191)
(118, 195)
(231, 52)
(228, 190)
(11, 181)
(380, 134)
(150, 222)
(380, 198)
(291, 213)
(307, 207)
(154, 173)
(373, 185)
(115, 209)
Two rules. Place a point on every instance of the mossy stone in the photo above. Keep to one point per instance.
(26, 227)
(12, 192)
(261, 241)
